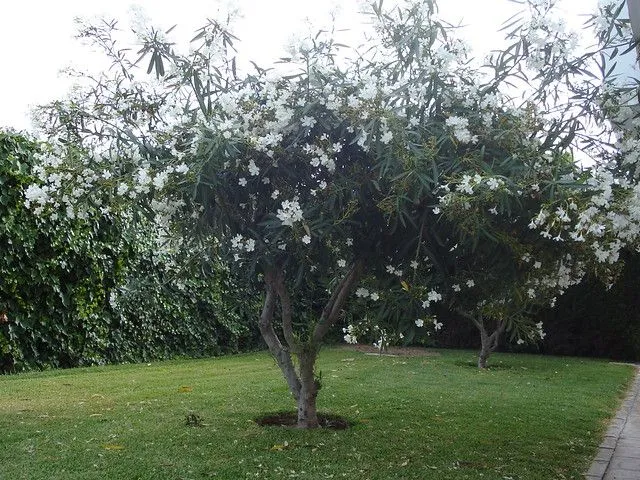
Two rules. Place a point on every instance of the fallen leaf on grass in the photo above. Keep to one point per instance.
(279, 447)
(113, 446)
(185, 389)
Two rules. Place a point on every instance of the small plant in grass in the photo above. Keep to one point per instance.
(193, 419)
(370, 333)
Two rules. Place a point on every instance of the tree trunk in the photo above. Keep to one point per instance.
(488, 342)
(302, 383)
(309, 386)
(485, 351)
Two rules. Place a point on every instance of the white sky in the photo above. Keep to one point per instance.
(36, 36)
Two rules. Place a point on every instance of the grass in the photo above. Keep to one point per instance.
(436, 417)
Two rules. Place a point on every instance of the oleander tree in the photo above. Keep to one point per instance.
(400, 174)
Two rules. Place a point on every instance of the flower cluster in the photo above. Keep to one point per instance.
(290, 212)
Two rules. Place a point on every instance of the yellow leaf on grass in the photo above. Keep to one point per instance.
(113, 446)
(405, 286)
(185, 389)
(279, 447)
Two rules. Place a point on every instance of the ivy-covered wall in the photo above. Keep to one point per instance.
(85, 292)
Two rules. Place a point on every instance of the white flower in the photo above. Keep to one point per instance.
(456, 287)
(307, 121)
(419, 323)
(342, 263)
(160, 179)
(253, 168)
(275, 194)
(434, 296)
(236, 242)
(471, 283)
(436, 210)
(182, 168)
(250, 245)
(494, 183)
(374, 296)
(306, 239)
(350, 339)
(493, 211)
(242, 182)
(122, 189)
(386, 137)
(362, 292)
(520, 341)
(290, 212)
(460, 127)
(413, 264)
(349, 242)
(537, 265)
(437, 325)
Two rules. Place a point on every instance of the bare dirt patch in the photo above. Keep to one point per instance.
(290, 419)
(392, 351)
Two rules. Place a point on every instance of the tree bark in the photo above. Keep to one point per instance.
(488, 342)
(302, 383)
(279, 352)
(309, 386)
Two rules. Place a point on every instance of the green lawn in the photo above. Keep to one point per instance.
(436, 417)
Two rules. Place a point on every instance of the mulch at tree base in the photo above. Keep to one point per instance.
(290, 419)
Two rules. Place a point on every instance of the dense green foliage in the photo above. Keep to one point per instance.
(593, 321)
(431, 417)
(59, 279)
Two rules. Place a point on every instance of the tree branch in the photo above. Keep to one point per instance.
(337, 300)
(285, 305)
(281, 355)
(495, 336)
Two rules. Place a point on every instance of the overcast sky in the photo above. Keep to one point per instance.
(36, 36)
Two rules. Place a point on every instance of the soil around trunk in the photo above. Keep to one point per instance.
(290, 419)
(392, 351)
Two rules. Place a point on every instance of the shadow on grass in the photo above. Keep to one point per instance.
(491, 366)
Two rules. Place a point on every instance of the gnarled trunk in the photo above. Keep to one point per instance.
(302, 382)
(488, 342)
